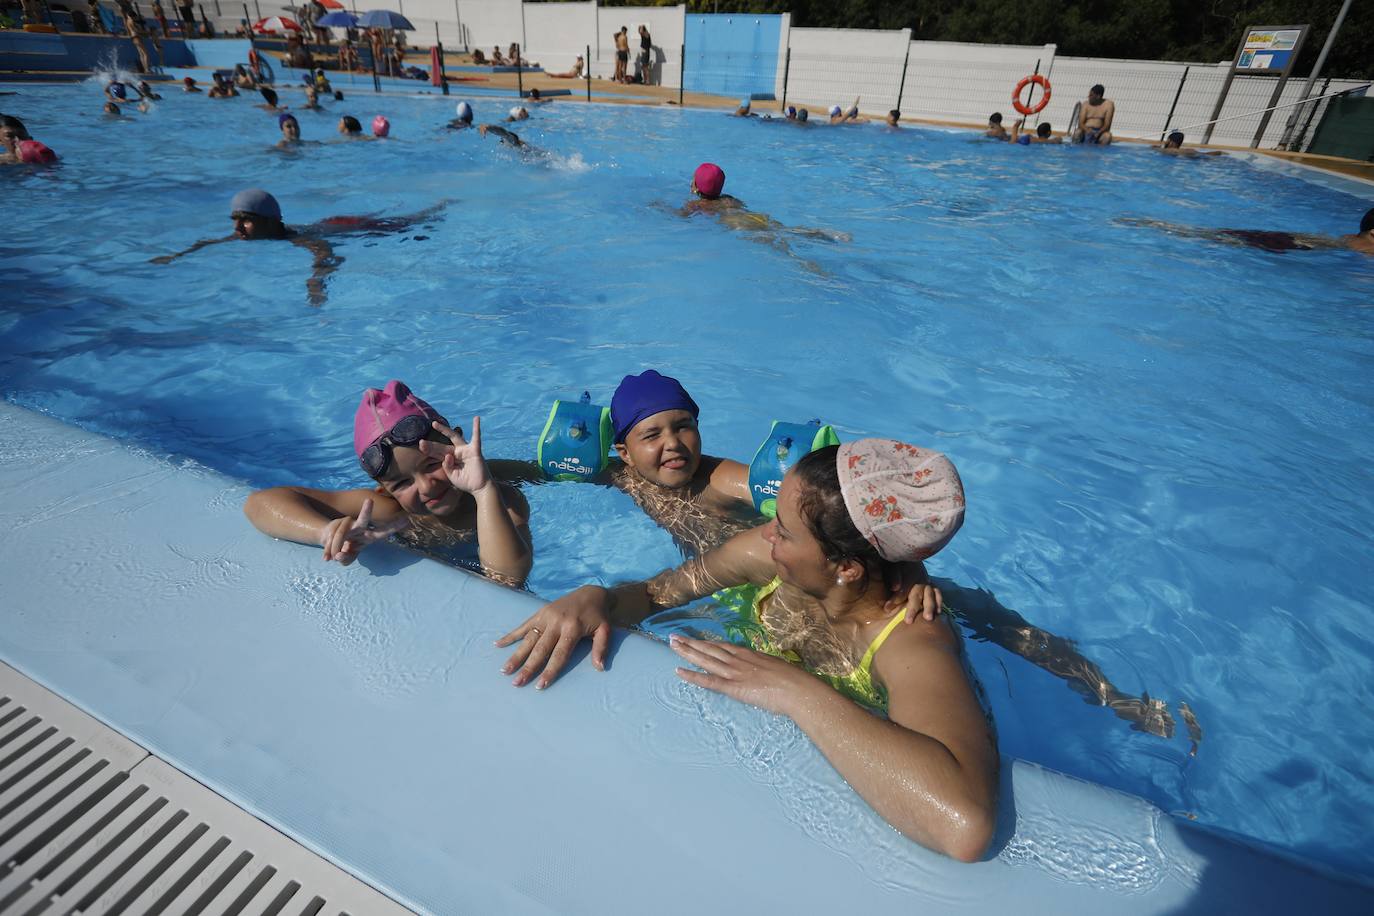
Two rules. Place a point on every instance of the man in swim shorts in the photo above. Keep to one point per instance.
(646, 49)
(995, 129)
(622, 53)
(1095, 118)
(257, 216)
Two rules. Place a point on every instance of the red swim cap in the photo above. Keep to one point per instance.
(33, 151)
(710, 180)
(380, 126)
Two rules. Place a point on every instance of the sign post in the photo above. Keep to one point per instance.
(1269, 50)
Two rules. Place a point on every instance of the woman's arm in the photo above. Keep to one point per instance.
(930, 770)
(340, 521)
(169, 258)
(548, 638)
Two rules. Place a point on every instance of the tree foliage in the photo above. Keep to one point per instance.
(1185, 30)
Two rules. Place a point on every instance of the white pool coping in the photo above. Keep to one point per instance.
(360, 711)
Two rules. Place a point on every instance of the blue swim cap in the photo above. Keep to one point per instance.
(117, 90)
(257, 202)
(745, 103)
(283, 118)
(1023, 139)
(643, 395)
(791, 111)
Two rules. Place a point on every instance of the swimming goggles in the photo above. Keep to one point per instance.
(409, 430)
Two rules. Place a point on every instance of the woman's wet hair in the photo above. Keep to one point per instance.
(995, 118)
(1367, 224)
(826, 516)
(269, 95)
(1044, 130)
(352, 125)
(15, 125)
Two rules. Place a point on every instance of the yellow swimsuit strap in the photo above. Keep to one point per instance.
(877, 644)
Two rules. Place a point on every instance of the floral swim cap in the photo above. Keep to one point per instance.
(906, 501)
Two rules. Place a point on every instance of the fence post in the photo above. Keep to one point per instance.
(682, 73)
(786, 70)
(902, 86)
(1170, 119)
(258, 8)
(588, 72)
(1311, 113)
(218, 13)
(438, 43)
(520, 75)
(458, 23)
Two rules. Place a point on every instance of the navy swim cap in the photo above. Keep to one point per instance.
(643, 395)
(1177, 136)
(257, 202)
(1367, 224)
(282, 119)
(117, 90)
(803, 114)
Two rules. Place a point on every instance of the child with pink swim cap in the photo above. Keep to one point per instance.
(381, 127)
(433, 487)
(708, 180)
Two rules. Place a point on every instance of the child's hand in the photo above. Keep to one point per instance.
(344, 538)
(463, 462)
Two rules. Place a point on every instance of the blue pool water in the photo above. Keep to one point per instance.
(1164, 442)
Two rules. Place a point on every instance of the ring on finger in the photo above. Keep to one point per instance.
(533, 631)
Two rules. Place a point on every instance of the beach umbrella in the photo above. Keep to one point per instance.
(338, 19)
(385, 19)
(273, 24)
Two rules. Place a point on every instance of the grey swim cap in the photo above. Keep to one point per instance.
(257, 202)
(464, 111)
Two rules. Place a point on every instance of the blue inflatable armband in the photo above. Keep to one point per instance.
(786, 444)
(576, 441)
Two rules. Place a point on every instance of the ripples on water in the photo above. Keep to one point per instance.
(1164, 442)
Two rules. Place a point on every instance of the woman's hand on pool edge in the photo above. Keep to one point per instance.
(742, 674)
(345, 537)
(547, 639)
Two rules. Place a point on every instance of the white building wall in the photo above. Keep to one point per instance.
(835, 66)
(556, 33)
(956, 81)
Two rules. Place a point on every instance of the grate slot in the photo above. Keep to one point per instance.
(8, 715)
(313, 907)
(251, 891)
(49, 805)
(283, 897)
(188, 876)
(129, 861)
(147, 879)
(73, 815)
(14, 733)
(26, 749)
(85, 837)
(22, 797)
(219, 884)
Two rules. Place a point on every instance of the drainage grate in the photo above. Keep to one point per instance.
(90, 823)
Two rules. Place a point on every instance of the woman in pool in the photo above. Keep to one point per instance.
(827, 652)
(434, 489)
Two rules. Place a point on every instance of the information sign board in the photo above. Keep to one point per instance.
(1269, 50)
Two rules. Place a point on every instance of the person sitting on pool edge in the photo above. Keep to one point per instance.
(1173, 145)
(434, 489)
(1095, 119)
(927, 762)
(257, 216)
(464, 119)
(1270, 240)
(1043, 134)
(995, 129)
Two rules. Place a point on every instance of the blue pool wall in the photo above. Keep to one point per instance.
(735, 54)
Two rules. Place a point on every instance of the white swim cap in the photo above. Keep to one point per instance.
(464, 111)
(834, 110)
(515, 112)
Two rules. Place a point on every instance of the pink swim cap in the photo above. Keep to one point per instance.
(379, 411)
(381, 126)
(710, 180)
(33, 151)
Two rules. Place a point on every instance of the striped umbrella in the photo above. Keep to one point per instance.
(274, 24)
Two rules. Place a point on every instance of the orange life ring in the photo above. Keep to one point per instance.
(1023, 108)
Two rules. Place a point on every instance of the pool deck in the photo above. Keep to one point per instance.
(360, 712)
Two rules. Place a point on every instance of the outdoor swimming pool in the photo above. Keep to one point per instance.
(1162, 441)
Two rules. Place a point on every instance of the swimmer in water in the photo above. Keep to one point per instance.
(536, 99)
(257, 216)
(290, 132)
(188, 84)
(708, 184)
(269, 99)
(381, 127)
(742, 110)
(112, 110)
(1268, 240)
(464, 119)
(312, 99)
(147, 91)
(518, 113)
(823, 648)
(434, 490)
(704, 501)
(508, 137)
(17, 147)
(851, 116)
(1043, 134)
(116, 91)
(995, 129)
(893, 118)
(322, 82)
(223, 88)
(1173, 145)
(351, 128)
